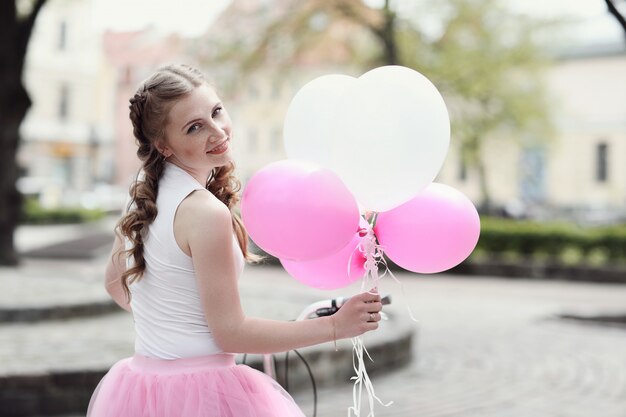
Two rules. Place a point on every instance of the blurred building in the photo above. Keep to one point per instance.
(77, 134)
(580, 172)
(67, 134)
(78, 147)
(131, 57)
(587, 165)
(257, 100)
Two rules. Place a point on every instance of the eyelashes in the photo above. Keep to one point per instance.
(198, 125)
(194, 128)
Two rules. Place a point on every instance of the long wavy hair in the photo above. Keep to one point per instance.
(149, 108)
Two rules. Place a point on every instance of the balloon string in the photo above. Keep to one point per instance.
(374, 258)
(402, 289)
(370, 249)
(361, 380)
(374, 255)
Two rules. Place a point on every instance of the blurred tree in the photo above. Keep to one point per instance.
(488, 64)
(484, 59)
(610, 4)
(283, 34)
(17, 18)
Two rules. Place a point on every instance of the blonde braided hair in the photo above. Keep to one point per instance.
(149, 108)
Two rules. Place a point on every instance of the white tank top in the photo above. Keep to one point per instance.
(169, 318)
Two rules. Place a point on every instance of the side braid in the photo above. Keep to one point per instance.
(149, 108)
(143, 193)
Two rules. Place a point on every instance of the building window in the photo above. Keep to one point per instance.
(532, 175)
(62, 36)
(602, 162)
(319, 22)
(128, 75)
(276, 89)
(64, 98)
(253, 91)
(253, 140)
(462, 169)
(277, 139)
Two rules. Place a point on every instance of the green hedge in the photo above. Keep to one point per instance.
(33, 213)
(561, 242)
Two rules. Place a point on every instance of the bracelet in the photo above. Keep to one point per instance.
(332, 319)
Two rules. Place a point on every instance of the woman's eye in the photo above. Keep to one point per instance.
(194, 127)
(217, 111)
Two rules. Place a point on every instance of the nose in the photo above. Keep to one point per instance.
(217, 135)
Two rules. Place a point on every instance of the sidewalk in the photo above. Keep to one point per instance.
(487, 347)
(491, 347)
(96, 341)
(60, 331)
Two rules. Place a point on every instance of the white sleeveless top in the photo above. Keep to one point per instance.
(166, 306)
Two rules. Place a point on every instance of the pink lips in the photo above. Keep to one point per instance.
(219, 149)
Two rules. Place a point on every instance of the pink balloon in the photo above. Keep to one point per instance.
(332, 272)
(297, 210)
(433, 232)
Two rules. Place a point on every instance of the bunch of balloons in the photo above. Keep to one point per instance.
(369, 144)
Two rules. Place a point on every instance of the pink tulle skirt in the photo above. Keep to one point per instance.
(207, 386)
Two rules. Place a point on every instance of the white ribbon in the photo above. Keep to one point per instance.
(374, 256)
(362, 379)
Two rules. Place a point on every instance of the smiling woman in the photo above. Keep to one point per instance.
(179, 251)
(197, 133)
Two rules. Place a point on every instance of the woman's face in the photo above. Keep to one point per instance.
(198, 133)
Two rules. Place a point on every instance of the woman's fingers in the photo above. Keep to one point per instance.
(373, 307)
(373, 317)
(372, 295)
(369, 297)
(360, 314)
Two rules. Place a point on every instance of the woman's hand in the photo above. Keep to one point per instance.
(360, 314)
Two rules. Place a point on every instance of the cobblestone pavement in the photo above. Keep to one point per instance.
(489, 347)
(96, 343)
(485, 347)
(492, 348)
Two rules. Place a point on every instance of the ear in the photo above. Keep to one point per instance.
(163, 149)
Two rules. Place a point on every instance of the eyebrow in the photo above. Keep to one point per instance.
(189, 123)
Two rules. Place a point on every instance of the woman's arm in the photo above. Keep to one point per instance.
(204, 224)
(113, 274)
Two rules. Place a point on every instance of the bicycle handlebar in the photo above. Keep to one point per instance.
(330, 307)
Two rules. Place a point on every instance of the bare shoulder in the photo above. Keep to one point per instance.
(203, 203)
(202, 219)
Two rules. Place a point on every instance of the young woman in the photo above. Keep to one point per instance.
(179, 251)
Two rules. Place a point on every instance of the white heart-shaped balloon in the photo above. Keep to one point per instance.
(308, 123)
(390, 136)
